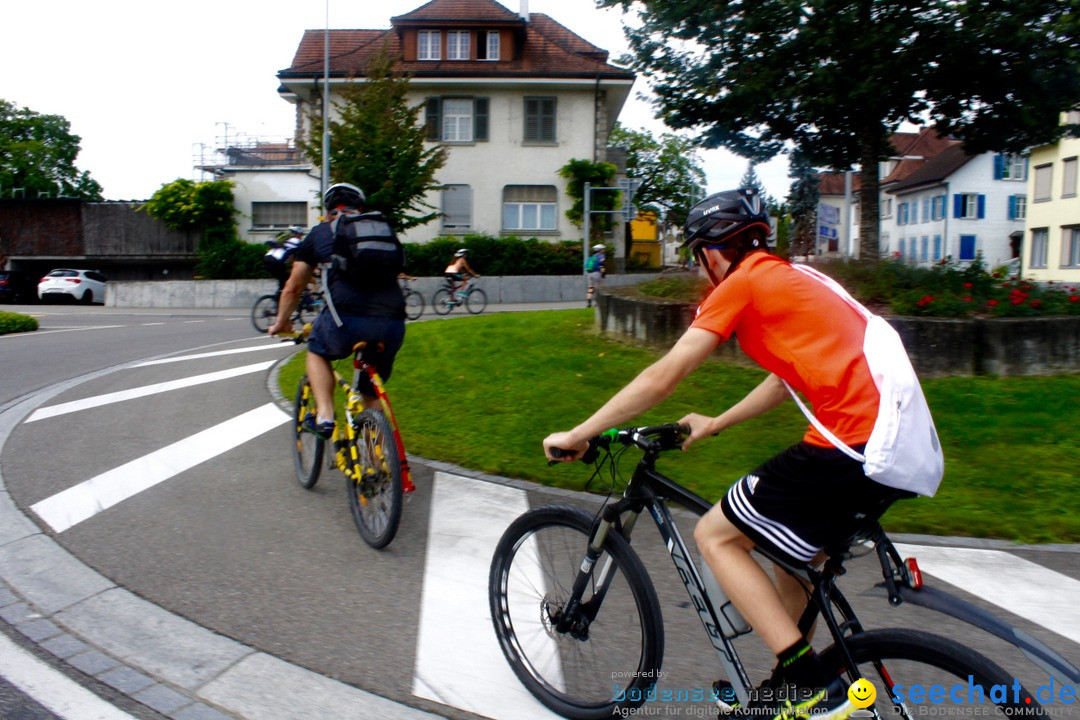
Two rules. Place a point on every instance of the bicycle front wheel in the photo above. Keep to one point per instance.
(610, 655)
(476, 301)
(375, 482)
(308, 447)
(264, 312)
(911, 670)
(414, 305)
(442, 302)
(308, 309)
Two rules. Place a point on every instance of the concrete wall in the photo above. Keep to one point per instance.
(243, 293)
(938, 347)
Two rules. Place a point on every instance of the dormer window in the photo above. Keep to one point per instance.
(457, 45)
(488, 47)
(428, 46)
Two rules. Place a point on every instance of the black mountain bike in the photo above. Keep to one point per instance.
(579, 621)
(264, 311)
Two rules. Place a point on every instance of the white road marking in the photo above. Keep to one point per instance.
(54, 690)
(121, 395)
(275, 345)
(90, 497)
(467, 519)
(1022, 587)
(149, 324)
(35, 333)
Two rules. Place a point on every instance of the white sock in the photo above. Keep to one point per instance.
(320, 419)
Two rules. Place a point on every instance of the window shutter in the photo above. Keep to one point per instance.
(480, 119)
(532, 119)
(999, 167)
(433, 118)
(547, 119)
(958, 206)
(1012, 207)
(982, 207)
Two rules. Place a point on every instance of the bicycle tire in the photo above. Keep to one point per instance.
(264, 312)
(476, 301)
(307, 310)
(374, 486)
(915, 658)
(308, 448)
(442, 301)
(414, 304)
(532, 571)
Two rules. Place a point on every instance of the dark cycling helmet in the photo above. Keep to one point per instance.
(296, 230)
(461, 253)
(343, 194)
(725, 219)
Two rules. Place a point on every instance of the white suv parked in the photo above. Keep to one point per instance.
(85, 286)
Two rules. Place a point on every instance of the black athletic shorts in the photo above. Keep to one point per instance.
(805, 499)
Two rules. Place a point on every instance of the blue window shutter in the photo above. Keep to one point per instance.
(958, 206)
(967, 247)
(982, 206)
(1012, 207)
(999, 167)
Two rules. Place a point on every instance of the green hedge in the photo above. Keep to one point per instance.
(495, 256)
(13, 322)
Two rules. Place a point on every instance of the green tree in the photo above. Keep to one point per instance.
(377, 144)
(669, 169)
(37, 153)
(803, 205)
(835, 78)
(208, 208)
(598, 174)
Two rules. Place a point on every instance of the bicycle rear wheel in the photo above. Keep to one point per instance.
(909, 664)
(375, 485)
(442, 302)
(600, 666)
(308, 309)
(414, 304)
(476, 301)
(264, 312)
(308, 447)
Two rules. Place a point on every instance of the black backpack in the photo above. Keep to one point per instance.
(366, 249)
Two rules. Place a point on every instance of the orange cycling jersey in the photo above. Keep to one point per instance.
(795, 327)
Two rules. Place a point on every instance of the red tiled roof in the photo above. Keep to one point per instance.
(935, 169)
(914, 151)
(549, 49)
(831, 183)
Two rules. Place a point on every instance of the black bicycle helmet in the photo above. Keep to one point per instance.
(725, 219)
(345, 194)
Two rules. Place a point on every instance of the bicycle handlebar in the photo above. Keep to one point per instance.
(656, 438)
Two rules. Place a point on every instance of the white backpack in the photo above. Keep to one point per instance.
(903, 451)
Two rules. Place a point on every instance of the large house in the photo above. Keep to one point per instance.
(513, 96)
(939, 203)
(1053, 215)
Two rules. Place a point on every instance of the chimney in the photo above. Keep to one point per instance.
(524, 11)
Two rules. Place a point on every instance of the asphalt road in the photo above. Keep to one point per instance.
(227, 540)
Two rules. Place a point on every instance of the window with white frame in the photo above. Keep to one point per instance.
(969, 205)
(1010, 167)
(1043, 184)
(1040, 238)
(886, 208)
(530, 207)
(429, 45)
(1070, 248)
(1017, 207)
(1068, 177)
(937, 207)
(457, 119)
(456, 208)
(457, 45)
(487, 45)
(902, 214)
(274, 215)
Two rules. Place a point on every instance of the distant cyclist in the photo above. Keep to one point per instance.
(458, 271)
(277, 258)
(595, 271)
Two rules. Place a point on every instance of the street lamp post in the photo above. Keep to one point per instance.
(326, 105)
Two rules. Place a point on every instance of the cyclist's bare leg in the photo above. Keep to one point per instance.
(321, 376)
(794, 593)
(727, 551)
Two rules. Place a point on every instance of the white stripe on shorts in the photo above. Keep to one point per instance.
(779, 535)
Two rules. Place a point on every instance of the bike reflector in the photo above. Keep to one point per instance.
(914, 573)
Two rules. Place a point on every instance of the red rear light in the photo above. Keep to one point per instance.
(914, 573)
(73, 280)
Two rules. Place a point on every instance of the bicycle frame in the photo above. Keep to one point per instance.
(648, 489)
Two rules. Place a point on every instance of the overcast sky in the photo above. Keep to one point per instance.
(144, 83)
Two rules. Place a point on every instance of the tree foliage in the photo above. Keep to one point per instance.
(37, 154)
(377, 144)
(835, 78)
(597, 174)
(668, 167)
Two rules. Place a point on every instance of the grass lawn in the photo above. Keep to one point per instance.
(482, 392)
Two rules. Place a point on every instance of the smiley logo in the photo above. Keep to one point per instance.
(862, 693)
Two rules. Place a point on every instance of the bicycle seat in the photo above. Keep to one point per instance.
(360, 346)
